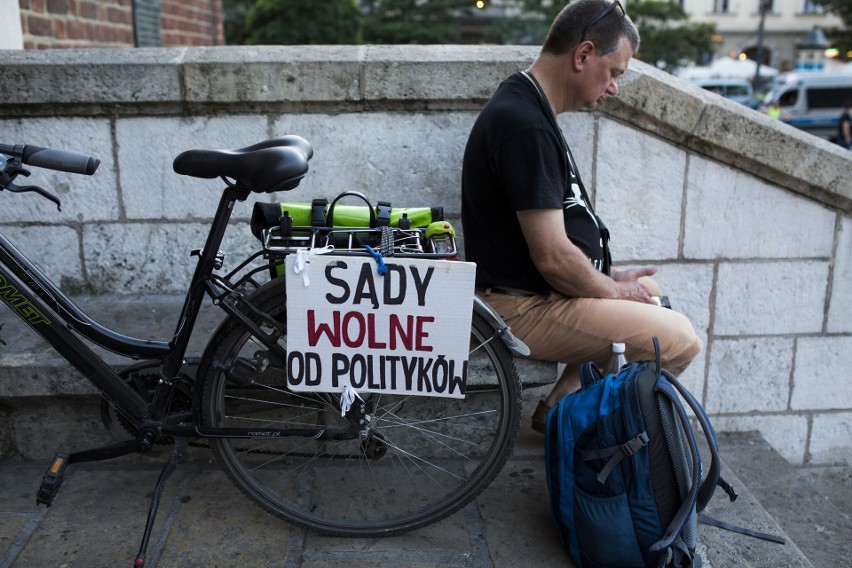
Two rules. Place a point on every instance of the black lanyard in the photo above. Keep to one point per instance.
(573, 172)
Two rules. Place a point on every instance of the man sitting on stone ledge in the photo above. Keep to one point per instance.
(541, 252)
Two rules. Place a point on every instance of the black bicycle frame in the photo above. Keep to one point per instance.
(53, 316)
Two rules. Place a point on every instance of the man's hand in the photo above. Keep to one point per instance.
(629, 286)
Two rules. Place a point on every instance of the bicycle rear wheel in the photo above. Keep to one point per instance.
(422, 458)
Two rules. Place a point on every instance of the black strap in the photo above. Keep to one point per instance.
(318, 207)
(573, 171)
(617, 454)
(285, 224)
(708, 520)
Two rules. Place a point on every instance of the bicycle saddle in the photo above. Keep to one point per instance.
(278, 164)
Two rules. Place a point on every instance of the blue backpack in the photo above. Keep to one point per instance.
(624, 469)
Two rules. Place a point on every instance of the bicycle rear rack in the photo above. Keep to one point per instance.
(390, 241)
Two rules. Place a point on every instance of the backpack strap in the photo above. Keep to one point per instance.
(708, 520)
(589, 373)
(708, 486)
(615, 454)
(678, 555)
(673, 530)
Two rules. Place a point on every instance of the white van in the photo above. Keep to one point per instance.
(813, 101)
(738, 90)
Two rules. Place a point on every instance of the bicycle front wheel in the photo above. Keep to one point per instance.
(417, 460)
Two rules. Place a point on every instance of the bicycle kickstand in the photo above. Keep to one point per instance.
(179, 455)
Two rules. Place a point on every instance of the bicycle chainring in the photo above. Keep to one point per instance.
(143, 379)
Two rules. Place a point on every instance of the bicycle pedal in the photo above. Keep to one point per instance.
(52, 480)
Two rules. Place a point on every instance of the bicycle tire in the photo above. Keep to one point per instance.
(440, 453)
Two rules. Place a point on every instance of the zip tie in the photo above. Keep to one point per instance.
(379, 260)
(303, 262)
(347, 397)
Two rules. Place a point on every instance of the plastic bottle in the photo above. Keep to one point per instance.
(617, 361)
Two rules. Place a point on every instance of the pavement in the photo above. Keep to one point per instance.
(98, 518)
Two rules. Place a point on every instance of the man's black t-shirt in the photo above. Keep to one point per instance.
(516, 160)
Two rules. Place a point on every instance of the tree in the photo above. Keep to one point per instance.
(296, 22)
(234, 20)
(413, 21)
(840, 37)
(668, 39)
(528, 29)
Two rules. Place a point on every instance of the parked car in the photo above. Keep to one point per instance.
(813, 101)
(738, 90)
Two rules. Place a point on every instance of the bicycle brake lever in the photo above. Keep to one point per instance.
(34, 188)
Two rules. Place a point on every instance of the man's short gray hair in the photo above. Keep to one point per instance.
(567, 29)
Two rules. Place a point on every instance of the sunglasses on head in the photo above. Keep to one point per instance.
(603, 14)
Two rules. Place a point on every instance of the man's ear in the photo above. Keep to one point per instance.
(581, 54)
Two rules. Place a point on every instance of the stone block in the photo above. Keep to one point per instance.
(410, 160)
(151, 258)
(821, 379)
(754, 298)
(655, 99)
(84, 198)
(439, 72)
(775, 151)
(147, 147)
(787, 434)
(273, 74)
(91, 76)
(830, 435)
(731, 214)
(840, 302)
(55, 250)
(639, 192)
(749, 375)
(689, 288)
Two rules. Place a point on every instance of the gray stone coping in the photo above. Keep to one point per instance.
(305, 79)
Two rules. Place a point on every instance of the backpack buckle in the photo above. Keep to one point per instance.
(634, 445)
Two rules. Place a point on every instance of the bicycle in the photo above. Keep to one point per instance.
(403, 461)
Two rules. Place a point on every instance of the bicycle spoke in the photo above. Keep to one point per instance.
(413, 460)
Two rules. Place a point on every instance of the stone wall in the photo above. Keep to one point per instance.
(748, 219)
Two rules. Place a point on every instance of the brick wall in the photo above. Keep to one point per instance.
(191, 22)
(49, 24)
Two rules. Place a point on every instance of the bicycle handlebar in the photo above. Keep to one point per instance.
(61, 160)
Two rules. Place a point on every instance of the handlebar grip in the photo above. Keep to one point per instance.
(61, 160)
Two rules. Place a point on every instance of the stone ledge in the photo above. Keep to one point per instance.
(303, 79)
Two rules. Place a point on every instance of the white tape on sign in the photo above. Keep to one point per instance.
(347, 397)
(303, 262)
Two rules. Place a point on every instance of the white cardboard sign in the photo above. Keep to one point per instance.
(404, 332)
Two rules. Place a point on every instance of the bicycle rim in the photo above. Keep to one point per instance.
(423, 458)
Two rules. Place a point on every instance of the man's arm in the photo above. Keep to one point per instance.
(567, 269)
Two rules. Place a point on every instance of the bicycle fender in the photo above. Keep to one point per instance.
(514, 344)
